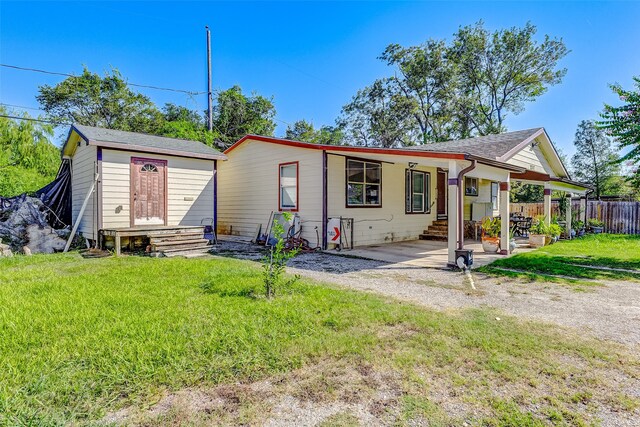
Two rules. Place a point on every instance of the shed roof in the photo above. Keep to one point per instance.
(118, 139)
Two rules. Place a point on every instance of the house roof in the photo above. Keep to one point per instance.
(143, 142)
(490, 146)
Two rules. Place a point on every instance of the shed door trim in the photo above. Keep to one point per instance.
(148, 166)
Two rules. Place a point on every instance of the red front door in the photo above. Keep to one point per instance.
(442, 194)
(148, 191)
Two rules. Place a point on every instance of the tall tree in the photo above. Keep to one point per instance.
(379, 115)
(595, 161)
(28, 159)
(442, 91)
(107, 101)
(623, 123)
(302, 130)
(500, 72)
(236, 115)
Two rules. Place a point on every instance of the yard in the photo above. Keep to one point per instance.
(136, 340)
(582, 261)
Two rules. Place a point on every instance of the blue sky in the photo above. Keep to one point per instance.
(310, 56)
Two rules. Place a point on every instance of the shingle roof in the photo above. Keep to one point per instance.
(147, 143)
(489, 146)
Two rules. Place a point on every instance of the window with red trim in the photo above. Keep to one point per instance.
(288, 198)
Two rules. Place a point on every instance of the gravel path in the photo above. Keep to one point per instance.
(610, 312)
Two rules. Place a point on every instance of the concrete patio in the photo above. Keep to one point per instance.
(427, 253)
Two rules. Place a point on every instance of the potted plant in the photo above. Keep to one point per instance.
(512, 242)
(579, 227)
(491, 234)
(538, 233)
(595, 225)
(554, 232)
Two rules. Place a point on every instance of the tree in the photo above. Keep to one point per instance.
(501, 71)
(379, 115)
(107, 101)
(236, 115)
(302, 130)
(181, 122)
(442, 91)
(623, 123)
(595, 162)
(28, 159)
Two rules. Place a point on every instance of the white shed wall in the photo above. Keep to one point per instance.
(190, 189)
(83, 167)
(248, 188)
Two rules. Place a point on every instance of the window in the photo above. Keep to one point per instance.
(417, 191)
(470, 186)
(288, 180)
(364, 184)
(148, 167)
(494, 196)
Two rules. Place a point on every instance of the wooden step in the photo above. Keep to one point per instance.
(437, 237)
(177, 240)
(436, 232)
(188, 253)
(180, 242)
(442, 222)
(436, 228)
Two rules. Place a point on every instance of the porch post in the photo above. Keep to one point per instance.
(452, 207)
(568, 214)
(504, 214)
(547, 203)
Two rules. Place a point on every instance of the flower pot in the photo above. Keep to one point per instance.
(490, 244)
(512, 246)
(537, 240)
(581, 232)
(572, 233)
(597, 230)
(548, 240)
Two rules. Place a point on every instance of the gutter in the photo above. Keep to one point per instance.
(460, 218)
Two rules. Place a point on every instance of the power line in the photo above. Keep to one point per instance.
(21, 106)
(36, 70)
(34, 120)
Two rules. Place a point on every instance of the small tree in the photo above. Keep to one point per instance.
(623, 123)
(595, 161)
(275, 262)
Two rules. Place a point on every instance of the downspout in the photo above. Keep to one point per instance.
(215, 197)
(469, 168)
(324, 200)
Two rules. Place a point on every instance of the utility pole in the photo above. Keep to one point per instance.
(209, 92)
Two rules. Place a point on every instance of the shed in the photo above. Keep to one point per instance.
(135, 180)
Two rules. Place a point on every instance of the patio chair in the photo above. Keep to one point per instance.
(525, 226)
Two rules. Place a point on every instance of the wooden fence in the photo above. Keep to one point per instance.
(618, 217)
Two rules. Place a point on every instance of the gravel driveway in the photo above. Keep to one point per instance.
(611, 311)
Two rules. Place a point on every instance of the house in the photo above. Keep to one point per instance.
(388, 194)
(132, 184)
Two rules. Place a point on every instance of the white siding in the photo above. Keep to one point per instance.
(389, 223)
(83, 166)
(484, 196)
(248, 188)
(531, 159)
(190, 195)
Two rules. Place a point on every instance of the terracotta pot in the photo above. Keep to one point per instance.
(490, 244)
(537, 240)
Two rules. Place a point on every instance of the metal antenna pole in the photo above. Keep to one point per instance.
(209, 92)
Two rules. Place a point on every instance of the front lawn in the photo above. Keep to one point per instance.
(593, 257)
(81, 339)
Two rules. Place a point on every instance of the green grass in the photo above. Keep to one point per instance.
(80, 338)
(568, 258)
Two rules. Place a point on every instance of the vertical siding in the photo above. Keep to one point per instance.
(388, 223)
(248, 188)
(189, 188)
(83, 166)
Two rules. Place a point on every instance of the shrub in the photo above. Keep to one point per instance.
(275, 262)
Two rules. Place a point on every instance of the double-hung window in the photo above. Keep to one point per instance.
(417, 191)
(288, 180)
(364, 183)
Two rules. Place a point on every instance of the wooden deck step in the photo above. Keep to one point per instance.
(178, 243)
(189, 253)
(176, 237)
